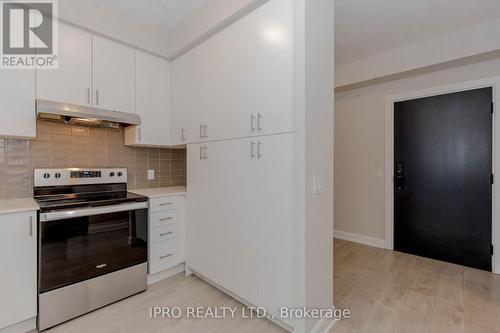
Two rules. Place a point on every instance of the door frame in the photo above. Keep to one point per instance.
(494, 83)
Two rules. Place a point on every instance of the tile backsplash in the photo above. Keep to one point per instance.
(64, 146)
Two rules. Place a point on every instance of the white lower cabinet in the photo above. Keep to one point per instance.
(18, 278)
(166, 233)
(239, 216)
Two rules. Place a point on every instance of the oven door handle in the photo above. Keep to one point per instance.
(68, 214)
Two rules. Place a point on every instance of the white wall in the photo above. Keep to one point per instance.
(441, 48)
(314, 102)
(359, 145)
(88, 15)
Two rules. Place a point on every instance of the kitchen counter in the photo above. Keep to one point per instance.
(18, 206)
(161, 191)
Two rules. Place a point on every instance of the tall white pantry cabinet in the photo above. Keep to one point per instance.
(232, 104)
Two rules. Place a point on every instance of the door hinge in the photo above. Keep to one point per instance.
(491, 249)
(492, 179)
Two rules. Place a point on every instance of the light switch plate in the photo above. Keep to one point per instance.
(151, 174)
(317, 186)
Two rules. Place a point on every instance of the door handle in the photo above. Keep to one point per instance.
(201, 131)
(183, 137)
(259, 154)
(252, 149)
(97, 97)
(201, 152)
(259, 117)
(31, 226)
(205, 148)
(399, 175)
(205, 131)
(252, 119)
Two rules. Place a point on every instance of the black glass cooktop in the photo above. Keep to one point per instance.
(67, 197)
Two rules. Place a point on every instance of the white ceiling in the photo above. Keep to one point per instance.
(369, 27)
(159, 14)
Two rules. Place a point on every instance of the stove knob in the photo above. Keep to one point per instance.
(46, 175)
(120, 174)
(111, 174)
(57, 175)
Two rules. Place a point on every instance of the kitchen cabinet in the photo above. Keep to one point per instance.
(17, 104)
(152, 81)
(71, 82)
(166, 233)
(239, 216)
(114, 75)
(238, 83)
(18, 280)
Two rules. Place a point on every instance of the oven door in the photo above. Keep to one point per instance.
(81, 244)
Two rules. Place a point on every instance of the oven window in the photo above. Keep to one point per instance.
(81, 248)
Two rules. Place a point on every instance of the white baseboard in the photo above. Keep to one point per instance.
(324, 325)
(357, 238)
(28, 325)
(165, 274)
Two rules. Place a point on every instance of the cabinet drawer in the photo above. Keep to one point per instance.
(163, 218)
(161, 204)
(164, 255)
(163, 233)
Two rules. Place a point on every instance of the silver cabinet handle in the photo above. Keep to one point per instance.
(259, 155)
(88, 96)
(252, 149)
(166, 219)
(166, 233)
(252, 119)
(201, 131)
(205, 132)
(31, 226)
(205, 148)
(100, 266)
(166, 256)
(201, 152)
(259, 117)
(166, 204)
(97, 97)
(183, 136)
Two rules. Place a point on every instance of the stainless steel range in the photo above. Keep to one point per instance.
(92, 241)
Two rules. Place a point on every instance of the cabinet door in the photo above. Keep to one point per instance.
(243, 76)
(276, 67)
(152, 101)
(71, 81)
(275, 212)
(17, 104)
(114, 75)
(18, 280)
(181, 100)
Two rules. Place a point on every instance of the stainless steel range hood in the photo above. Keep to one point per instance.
(84, 116)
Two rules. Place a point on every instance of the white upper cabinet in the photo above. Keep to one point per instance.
(114, 75)
(238, 83)
(276, 68)
(152, 80)
(18, 285)
(71, 82)
(17, 104)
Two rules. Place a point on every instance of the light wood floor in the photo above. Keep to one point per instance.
(132, 314)
(388, 291)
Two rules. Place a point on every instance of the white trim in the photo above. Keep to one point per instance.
(24, 326)
(324, 325)
(357, 238)
(165, 274)
(493, 82)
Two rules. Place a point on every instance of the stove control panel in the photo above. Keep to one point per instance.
(85, 174)
(74, 176)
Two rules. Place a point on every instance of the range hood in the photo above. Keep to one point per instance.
(84, 116)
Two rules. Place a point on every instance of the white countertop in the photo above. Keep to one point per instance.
(18, 206)
(161, 191)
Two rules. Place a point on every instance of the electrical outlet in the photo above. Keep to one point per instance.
(151, 174)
